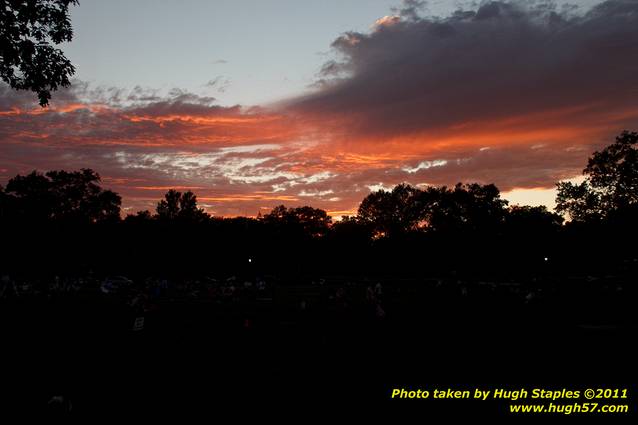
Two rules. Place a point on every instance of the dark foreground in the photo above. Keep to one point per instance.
(299, 349)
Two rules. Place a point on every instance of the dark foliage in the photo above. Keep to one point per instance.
(28, 32)
(59, 197)
(610, 188)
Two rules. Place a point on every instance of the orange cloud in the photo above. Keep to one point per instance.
(229, 158)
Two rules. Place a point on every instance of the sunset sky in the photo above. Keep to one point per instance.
(252, 104)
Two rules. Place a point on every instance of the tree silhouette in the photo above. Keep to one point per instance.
(5, 207)
(180, 206)
(532, 220)
(29, 197)
(314, 221)
(579, 201)
(394, 212)
(408, 209)
(351, 230)
(168, 208)
(464, 227)
(61, 196)
(28, 60)
(465, 207)
(188, 208)
(311, 221)
(139, 217)
(611, 184)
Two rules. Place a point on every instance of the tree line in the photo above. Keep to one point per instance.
(467, 222)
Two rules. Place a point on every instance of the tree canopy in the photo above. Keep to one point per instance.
(29, 30)
(406, 209)
(610, 188)
(179, 206)
(531, 220)
(311, 221)
(393, 212)
(60, 196)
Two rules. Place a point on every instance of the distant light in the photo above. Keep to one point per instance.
(250, 260)
(546, 259)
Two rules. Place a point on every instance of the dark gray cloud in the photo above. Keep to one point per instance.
(497, 60)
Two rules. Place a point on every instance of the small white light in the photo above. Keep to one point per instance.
(546, 259)
(250, 260)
